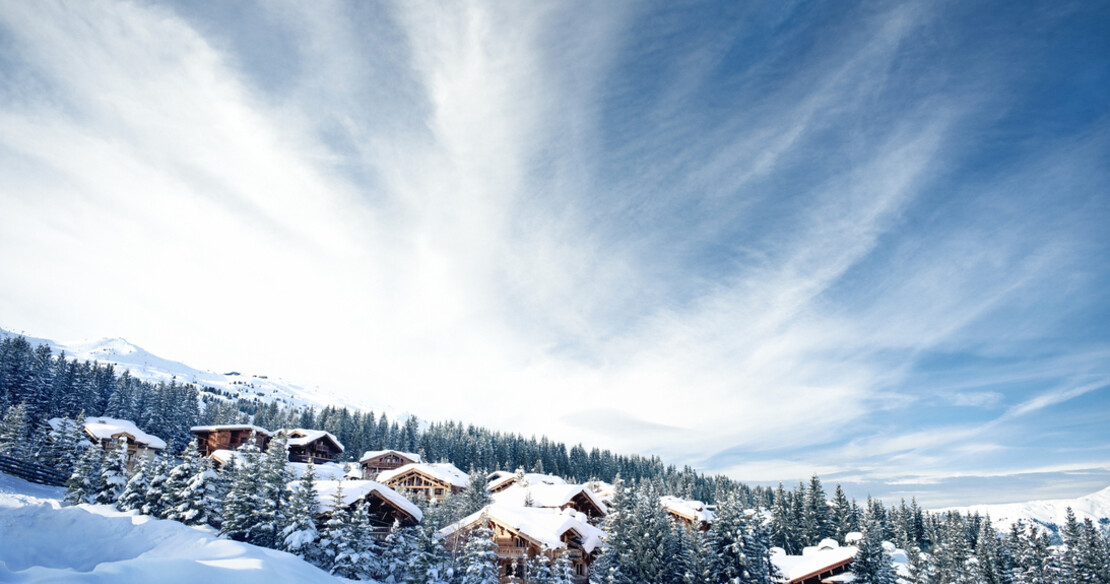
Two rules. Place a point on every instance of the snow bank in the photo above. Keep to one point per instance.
(43, 542)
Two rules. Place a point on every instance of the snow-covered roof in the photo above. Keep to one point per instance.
(812, 561)
(689, 509)
(255, 429)
(530, 478)
(443, 471)
(545, 495)
(357, 490)
(376, 453)
(328, 471)
(303, 437)
(222, 455)
(545, 526)
(103, 428)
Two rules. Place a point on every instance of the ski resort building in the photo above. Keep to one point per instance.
(688, 512)
(524, 534)
(375, 462)
(817, 564)
(552, 496)
(432, 481)
(229, 437)
(385, 504)
(107, 432)
(316, 446)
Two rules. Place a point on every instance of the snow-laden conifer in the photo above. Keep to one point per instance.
(134, 494)
(872, 564)
(300, 535)
(156, 486)
(113, 475)
(83, 484)
(478, 564)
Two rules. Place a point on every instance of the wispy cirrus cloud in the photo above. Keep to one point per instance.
(766, 238)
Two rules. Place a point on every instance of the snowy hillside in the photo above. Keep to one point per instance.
(148, 367)
(1048, 513)
(40, 541)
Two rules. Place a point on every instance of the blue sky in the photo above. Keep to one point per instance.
(865, 240)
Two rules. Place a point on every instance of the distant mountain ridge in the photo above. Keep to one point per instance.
(1048, 513)
(146, 366)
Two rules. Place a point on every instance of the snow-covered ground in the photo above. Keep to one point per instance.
(1052, 512)
(41, 541)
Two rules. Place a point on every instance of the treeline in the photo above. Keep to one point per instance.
(57, 386)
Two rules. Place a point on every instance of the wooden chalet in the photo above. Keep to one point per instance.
(108, 432)
(690, 513)
(525, 534)
(229, 437)
(385, 506)
(577, 498)
(316, 446)
(431, 481)
(378, 461)
(817, 564)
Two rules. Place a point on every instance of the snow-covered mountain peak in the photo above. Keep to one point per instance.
(1050, 513)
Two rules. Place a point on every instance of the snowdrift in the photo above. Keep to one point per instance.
(40, 541)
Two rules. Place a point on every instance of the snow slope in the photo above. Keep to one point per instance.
(41, 541)
(148, 367)
(1048, 513)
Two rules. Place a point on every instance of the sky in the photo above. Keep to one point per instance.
(867, 240)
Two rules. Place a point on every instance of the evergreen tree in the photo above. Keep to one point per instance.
(695, 566)
(300, 536)
(841, 515)
(134, 494)
(83, 484)
(784, 524)
(366, 542)
(872, 564)
(397, 549)
(757, 550)
(817, 523)
(478, 564)
(113, 475)
(199, 500)
(156, 486)
(430, 563)
(726, 542)
(242, 507)
(14, 432)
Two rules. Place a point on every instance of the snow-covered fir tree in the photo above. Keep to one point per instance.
(478, 564)
(113, 475)
(272, 497)
(398, 548)
(198, 503)
(300, 535)
(366, 543)
(84, 483)
(872, 564)
(159, 474)
(430, 561)
(243, 509)
(726, 543)
(14, 432)
(134, 494)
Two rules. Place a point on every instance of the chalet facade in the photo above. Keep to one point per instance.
(526, 534)
(315, 446)
(376, 462)
(384, 505)
(431, 481)
(229, 437)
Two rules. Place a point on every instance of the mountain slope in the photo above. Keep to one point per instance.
(149, 367)
(1047, 513)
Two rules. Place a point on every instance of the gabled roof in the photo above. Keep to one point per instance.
(691, 510)
(441, 471)
(376, 453)
(304, 437)
(543, 526)
(103, 428)
(358, 490)
(255, 429)
(546, 495)
(504, 479)
(812, 562)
